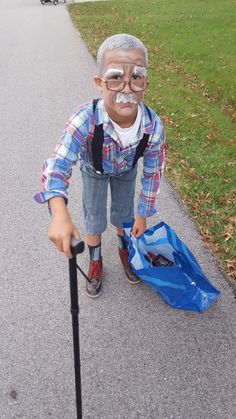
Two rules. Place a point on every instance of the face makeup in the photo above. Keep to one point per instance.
(113, 72)
(126, 98)
(140, 71)
(121, 106)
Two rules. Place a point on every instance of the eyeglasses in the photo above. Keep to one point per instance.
(117, 85)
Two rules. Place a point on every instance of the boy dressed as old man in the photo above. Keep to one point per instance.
(108, 135)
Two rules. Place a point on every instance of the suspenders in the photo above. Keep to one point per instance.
(97, 142)
(98, 139)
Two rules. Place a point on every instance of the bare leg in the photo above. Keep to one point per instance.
(93, 240)
(119, 231)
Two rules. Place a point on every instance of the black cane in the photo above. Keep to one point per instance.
(76, 247)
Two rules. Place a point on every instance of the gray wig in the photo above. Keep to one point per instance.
(120, 41)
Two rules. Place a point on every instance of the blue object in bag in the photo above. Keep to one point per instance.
(182, 284)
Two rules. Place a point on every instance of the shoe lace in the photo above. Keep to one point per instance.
(95, 269)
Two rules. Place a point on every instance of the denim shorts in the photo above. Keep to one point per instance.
(95, 188)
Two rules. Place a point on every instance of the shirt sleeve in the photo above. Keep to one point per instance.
(57, 170)
(153, 168)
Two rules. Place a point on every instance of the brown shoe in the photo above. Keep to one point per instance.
(94, 288)
(131, 276)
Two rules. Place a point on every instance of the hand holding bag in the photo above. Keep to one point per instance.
(166, 264)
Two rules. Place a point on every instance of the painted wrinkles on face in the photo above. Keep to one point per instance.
(125, 97)
(125, 63)
(120, 61)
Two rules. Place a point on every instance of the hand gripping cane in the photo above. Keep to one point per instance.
(76, 247)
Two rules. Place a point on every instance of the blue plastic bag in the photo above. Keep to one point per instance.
(182, 285)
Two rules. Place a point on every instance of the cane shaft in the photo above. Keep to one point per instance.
(75, 326)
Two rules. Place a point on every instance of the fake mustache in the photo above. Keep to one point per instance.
(126, 98)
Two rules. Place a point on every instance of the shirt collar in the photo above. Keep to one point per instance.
(147, 125)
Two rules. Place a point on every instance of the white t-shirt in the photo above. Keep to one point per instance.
(128, 135)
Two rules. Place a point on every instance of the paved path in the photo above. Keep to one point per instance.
(140, 358)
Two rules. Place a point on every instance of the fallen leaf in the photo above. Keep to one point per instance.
(190, 173)
(228, 233)
(230, 263)
(233, 119)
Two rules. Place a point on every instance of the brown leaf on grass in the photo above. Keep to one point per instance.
(228, 233)
(184, 163)
(233, 118)
(228, 200)
(212, 135)
(190, 173)
(167, 121)
(176, 174)
(228, 142)
(205, 230)
(205, 234)
(209, 242)
(231, 265)
(233, 219)
(193, 175)
(206, 198)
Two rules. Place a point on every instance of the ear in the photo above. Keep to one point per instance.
(98, 82)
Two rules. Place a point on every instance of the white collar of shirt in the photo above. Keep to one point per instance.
(147, 125)
(128, 135)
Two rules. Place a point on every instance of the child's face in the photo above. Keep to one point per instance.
(119, 65)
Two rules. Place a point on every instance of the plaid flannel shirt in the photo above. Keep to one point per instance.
(75, 144)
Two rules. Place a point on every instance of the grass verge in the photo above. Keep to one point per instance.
(192, 72)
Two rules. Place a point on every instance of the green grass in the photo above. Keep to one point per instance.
(192, 71)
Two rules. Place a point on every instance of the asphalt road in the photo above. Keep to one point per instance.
(140, 358)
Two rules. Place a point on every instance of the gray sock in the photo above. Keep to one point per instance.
(95, 252)
(121, 242)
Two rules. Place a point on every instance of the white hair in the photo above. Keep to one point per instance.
(121, 41)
